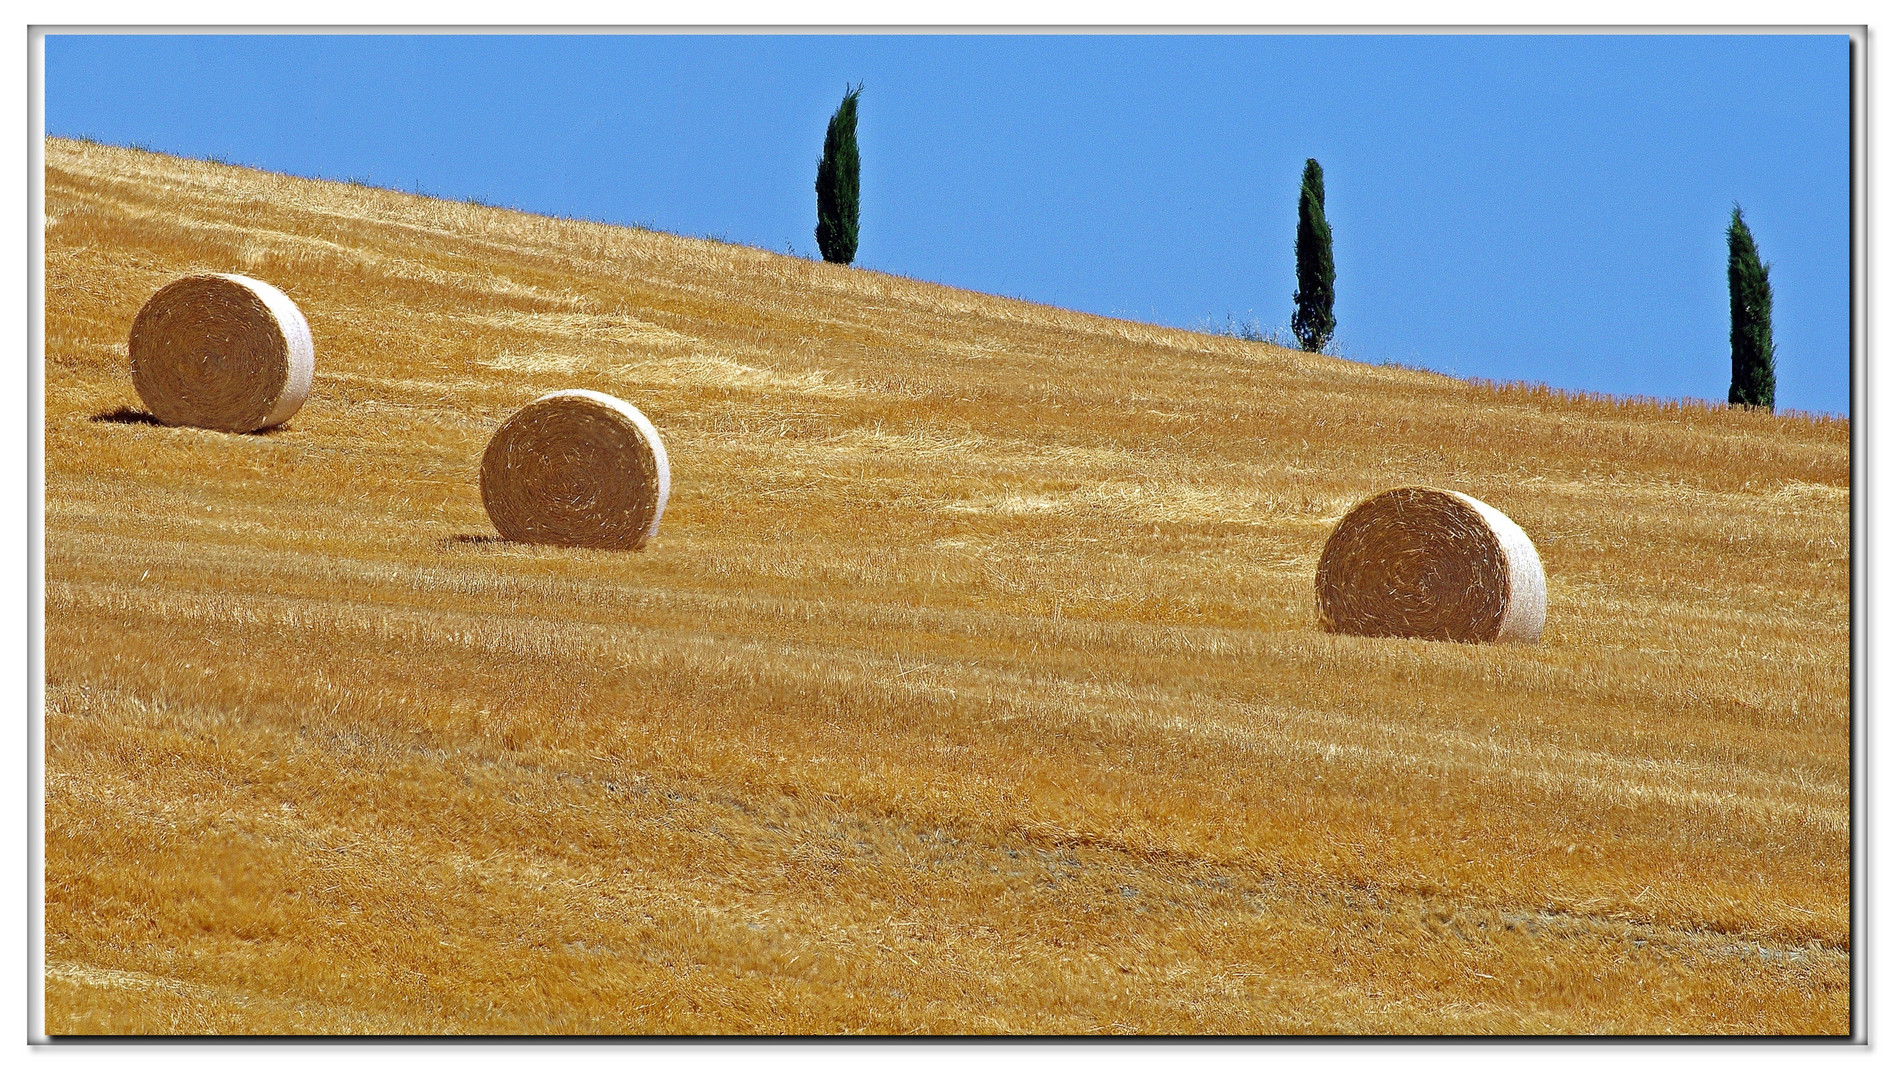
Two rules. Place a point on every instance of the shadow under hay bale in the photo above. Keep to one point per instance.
(473, 541)
(126, 415)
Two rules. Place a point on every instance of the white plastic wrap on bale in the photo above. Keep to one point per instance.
(1526, 581)
(297, 338)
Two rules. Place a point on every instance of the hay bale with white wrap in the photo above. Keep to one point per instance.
(576, 468)
(221, 351)
(1418, 562)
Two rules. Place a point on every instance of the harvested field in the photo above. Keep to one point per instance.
(973, 683)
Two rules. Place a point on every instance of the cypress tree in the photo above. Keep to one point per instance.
(1753, 362)
(838, 183)
(1314, 318)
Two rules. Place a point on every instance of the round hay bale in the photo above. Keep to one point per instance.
(1418, 562)
(576, 468)
(221, 351)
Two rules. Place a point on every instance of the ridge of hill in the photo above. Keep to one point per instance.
(973, 683)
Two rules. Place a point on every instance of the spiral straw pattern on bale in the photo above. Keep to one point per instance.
(576, 468)
(221, 351)
(1418, 562)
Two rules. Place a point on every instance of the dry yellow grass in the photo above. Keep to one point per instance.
(973, 683)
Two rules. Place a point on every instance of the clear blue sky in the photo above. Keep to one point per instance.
(1541, 208)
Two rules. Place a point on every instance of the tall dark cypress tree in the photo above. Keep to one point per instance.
(838, 183)
(1314, 318)
(1753, 356)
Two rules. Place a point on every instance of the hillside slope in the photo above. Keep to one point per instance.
(973, 683)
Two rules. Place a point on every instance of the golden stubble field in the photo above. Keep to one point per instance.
(972, 685)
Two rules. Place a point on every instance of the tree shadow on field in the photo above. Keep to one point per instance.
(127, 415)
